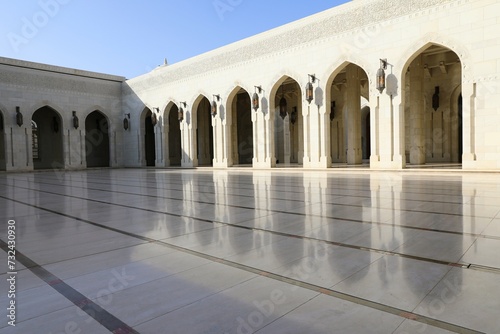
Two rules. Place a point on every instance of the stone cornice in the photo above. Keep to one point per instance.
(59, 70)
(335, 21)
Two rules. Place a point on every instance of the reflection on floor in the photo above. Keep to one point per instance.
(241, 251)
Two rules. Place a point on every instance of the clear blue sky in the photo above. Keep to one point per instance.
(131, 37)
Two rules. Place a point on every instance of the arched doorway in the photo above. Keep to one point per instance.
(241, 127)
(173, 135)
(433, 78)
(149, 138)
(349, 134)
(288, 127)
(47, 139)
(97, 140)
(3, 162)
(204, 132)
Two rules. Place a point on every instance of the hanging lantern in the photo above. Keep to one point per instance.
(435, 99)
(214, 108)
(180, 114)
(19, 117)
(255, 101)
(332, 111)
(283, 104)
(154, 118)
(293, 116)
(214, 105)
(381, 75)
(76, 121)
(309, 92)
(126, 122)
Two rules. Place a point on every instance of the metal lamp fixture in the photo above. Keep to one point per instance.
(154, 116)
(255, 98)
(214, 104)
(126, 122)
(435, 99)
(76, 121)
(310, 88)
(381, 75)
(180, 113)
(332, 111)
(19, 117)
(283, 104)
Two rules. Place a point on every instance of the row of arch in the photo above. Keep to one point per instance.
(46, 140)
(430, 89)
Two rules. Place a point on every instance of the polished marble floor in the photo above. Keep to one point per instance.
(243, 251)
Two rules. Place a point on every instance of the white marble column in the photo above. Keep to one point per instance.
(353, 105)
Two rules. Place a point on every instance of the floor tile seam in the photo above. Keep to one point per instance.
(284, 234)
(96, 312)
(19, 322)
(336, 195)
(93, 272)
(163, 197)
(287, 313)
(276, 211)
(196, 301)
(111, 293)
(83, 256)
(305, 205)
(295, 236)
(289, 280)
(432, 289)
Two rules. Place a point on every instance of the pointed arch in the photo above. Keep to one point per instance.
(430, 77)
(47, 139)
(288, 146)
(239, 112)
(148, 137)
(97, 143)
(173, 142)
(203, 132)
(347, 94)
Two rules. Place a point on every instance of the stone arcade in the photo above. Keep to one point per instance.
(439, 106)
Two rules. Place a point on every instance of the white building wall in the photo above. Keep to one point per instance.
(31, 86)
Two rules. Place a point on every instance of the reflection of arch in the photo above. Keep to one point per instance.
(3, 163)
(172, 135)
(97, 140)
(347, 92)
(148, 133)
(202, 125)
(239, 110)
(47, 139)
(431, 80)
(288, 127)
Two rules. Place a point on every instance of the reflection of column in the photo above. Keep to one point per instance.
(353, 104)
(220, 179)
(160, 161)
(417, 129)
(468, 119)
(187, 143)
(286, 140)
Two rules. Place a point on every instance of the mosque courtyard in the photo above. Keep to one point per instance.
(244, 251)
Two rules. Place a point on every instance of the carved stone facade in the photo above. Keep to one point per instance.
(439, 106)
